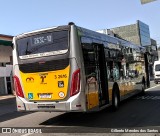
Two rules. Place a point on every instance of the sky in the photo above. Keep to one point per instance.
(19, 16)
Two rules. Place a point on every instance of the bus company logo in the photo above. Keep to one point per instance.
(29, 79)
(43, 76)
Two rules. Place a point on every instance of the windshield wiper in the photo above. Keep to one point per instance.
(27, 51)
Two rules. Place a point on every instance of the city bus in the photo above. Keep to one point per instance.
(72, 69)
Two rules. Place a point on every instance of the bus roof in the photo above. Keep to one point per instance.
(103, 38)
(41, 30)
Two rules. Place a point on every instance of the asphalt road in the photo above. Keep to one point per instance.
(135, 114)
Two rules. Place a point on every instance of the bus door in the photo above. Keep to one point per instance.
(96, 75)
(102, 75)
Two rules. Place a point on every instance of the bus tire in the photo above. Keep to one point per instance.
(115, 98)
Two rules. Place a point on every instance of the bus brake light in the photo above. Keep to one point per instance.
(17, 87)
(75, 83)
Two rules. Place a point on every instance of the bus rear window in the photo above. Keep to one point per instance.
(45, 44)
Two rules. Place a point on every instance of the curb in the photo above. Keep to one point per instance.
(3, 97)
(152, 87)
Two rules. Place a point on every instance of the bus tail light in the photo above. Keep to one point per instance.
(17, 87)
(75, 85)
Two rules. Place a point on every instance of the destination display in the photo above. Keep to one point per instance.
(42, 39)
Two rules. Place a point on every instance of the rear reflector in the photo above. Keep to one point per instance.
(75, 85)
(17, 87)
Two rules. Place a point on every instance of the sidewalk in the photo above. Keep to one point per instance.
(152, 84)
(2, 97)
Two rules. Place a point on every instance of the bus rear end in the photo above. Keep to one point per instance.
(46, 74)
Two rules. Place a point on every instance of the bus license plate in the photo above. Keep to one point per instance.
(45, 96)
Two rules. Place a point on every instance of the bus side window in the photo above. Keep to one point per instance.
(108, 72)
(116, 73)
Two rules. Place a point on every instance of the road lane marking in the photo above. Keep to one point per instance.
(152, 87)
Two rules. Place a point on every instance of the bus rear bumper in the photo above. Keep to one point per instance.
(65, 106)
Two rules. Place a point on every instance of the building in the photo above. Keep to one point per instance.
(138, 34)
(154, 50)
(5, 64)
(153, 54)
